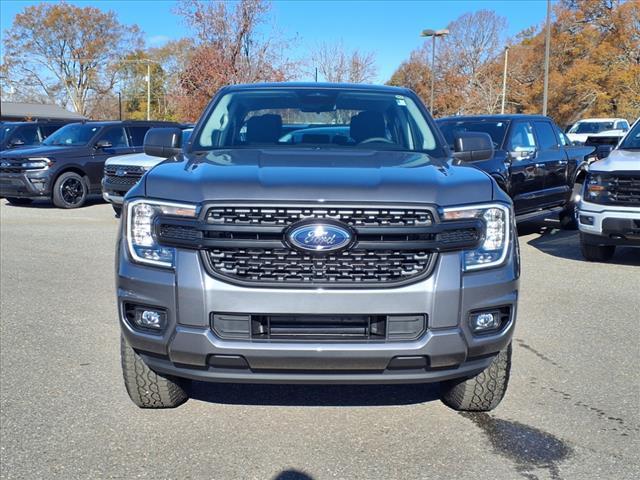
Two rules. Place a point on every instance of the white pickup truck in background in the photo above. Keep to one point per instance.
(609, 210)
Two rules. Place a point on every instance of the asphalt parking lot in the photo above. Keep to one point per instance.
(571, 412)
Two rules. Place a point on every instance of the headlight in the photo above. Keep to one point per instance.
(141, 239)
(37, 163)
(597, 188)
(495, 242)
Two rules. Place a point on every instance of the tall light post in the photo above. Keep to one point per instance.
(547, 46)
(504, 78)
(433, 34)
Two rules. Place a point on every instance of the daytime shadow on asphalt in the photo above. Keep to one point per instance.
(44, 203)
(565, 244)
(529, 448)
(292, 475)
(314, 395)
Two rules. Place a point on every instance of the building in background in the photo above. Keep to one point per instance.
(18, 112)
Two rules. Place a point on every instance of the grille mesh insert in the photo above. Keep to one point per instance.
(290, 266)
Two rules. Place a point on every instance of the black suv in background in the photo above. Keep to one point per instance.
(68, 166)
(26, 134)
(534, 162)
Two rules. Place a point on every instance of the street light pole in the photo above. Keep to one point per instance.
(433, 34)
(504, 78)
(547, 46)
(148, 91)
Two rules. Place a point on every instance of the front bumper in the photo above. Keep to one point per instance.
(188, 344)
(114, 193)
(28, 184)
(608, 224)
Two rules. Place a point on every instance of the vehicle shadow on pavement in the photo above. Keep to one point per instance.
(45, 203)
(313, 395)
(292, 475)
(565, 244)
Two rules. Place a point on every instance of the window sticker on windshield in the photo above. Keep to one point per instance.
(401, 101)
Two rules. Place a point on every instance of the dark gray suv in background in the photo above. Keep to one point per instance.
(68, 165)
(313, 233)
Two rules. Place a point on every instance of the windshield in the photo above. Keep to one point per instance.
(591, 127)
(317, 118)
(74, 134)
(632, 140)
(5, 131)
(452, 128)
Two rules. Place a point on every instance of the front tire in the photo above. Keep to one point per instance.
(482, 392)
(19, 201)
(569, 216)
(69, 191)
(146, 388)
(117, 209)
(596, 253)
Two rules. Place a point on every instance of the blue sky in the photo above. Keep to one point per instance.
(388, 28)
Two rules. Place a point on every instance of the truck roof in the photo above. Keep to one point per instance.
(324, 85)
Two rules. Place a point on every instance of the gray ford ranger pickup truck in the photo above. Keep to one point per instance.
(317, 233)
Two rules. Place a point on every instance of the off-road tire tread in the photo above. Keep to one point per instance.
(482, 392)
(147, 388)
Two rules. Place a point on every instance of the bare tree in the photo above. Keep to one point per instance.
(66, 52)
(469, 52)
(337, 64)
(230, 48)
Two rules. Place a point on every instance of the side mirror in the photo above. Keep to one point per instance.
(472, 147)
(104, 143)
(603, 151)
(163, 142)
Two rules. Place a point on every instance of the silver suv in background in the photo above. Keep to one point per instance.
(609, 211)
(123, 171)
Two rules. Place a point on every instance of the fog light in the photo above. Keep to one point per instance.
(146, 318)
(586, 219)
(485, 321)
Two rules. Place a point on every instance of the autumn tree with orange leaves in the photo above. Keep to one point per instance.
(594, 65)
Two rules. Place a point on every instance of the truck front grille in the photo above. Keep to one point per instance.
(248, 245)
(122, 175)
(624, 189)
(288, 266)
(285, 216)
(12, 165)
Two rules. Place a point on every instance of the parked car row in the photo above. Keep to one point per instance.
(69, 164)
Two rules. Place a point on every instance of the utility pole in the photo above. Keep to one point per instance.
(433, 34)
(148, 91)
(120, 105)
(547, 46)
(504, 78)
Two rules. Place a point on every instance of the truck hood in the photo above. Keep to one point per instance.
(618, 160)
(134, 160)
(313, 175)
(45, 151)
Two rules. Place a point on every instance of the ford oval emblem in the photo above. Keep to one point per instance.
(319, 237)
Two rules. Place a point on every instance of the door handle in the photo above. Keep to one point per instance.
(539, 165)
(563, 162)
